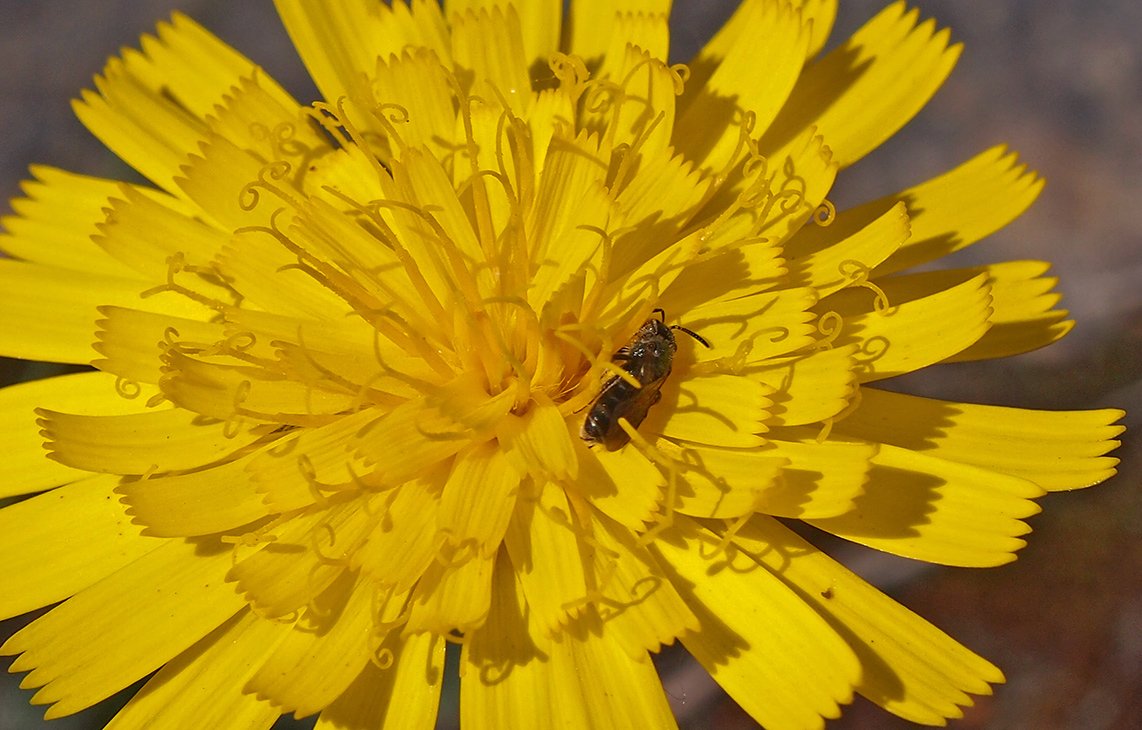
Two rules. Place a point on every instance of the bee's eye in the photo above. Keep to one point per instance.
(602, 420)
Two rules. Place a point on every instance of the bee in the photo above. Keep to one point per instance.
(647, 358)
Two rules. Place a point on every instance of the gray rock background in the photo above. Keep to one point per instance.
(1061, 82)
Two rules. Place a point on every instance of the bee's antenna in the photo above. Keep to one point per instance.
(660, 312)
(692, 333)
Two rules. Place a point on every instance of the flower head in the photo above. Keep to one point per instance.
(522, 339)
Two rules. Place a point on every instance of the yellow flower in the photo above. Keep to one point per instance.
(344, 354)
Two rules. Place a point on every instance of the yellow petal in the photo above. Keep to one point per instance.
(638, 606)
(487, 49)
(292, 471)
(504, 675)
(939, 511)
(132, 342)
(231, 186)
(151, 105)
(326, 232)
(829, 258)
(55, 223)
(323, 653)
(138, 124)
(540, 443)
(652, 209)
(452, 596)
(593, 23)
(548, 112)
(562, 225)
(755, 75)
(506, 682)
(922, 325)
(479, 498)
(544, 546)
(745, 269)
(301, 558)
(26, 468)
(157, 440)
(50, 313)
(200, 502)
(228, 388)
(498, 141)
(590, 670)
(790, 187)
(754, 328)
(635, 35)
(958, 208)
(765, 645)
(431, 230)
(821, 13)
(772, 197)
(1023, 316)
(539, 24)
(349, 351)
(416, 84)
(722, 483)
(808, 388)
(910, 667)
(403, 541)
(639, 110)
(861, 93)
(146, 234)
(206, 681)
(430, 184)
(103, 639)
(349, 173)
(340, 42)
(260, 116)
(412, 437)
(822, 479)
(404, 695)
(59, 543)
(624, 485)
(721, 410)
(1056, 450)
(193, 67)
(620, 300)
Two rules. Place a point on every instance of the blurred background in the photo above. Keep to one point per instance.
(1059, 82)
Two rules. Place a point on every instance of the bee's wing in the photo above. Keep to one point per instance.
(635, 408)
(611, 383)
